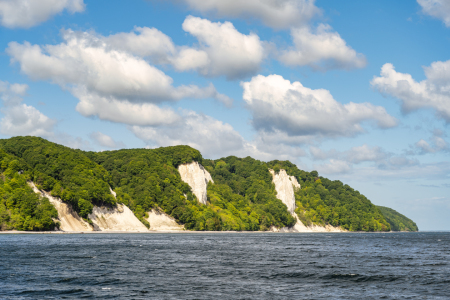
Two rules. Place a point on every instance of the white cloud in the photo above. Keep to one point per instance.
(28, 13)
(111, 84)
(105, 140)
(279, 105)
(25, 120)
(277, 14)
(110, 109)
(222, 51)
(144, 42)
(85, 60)
(212, 137)
(439, 9)
(437, 144)
(21, 119)
(322, 50)
(433, 92)
(334, 167)
(424, 146)
(11, 94)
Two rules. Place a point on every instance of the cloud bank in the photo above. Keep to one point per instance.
(279, 14)
(277, 105)
(433, 92)
(439, 9)
(29, 13)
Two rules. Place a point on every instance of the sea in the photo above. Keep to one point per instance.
(225, 266)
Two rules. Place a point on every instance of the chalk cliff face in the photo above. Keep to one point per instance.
(159, 221)
(285, 186)
(69, 219)
(197, 177)
(119, 218)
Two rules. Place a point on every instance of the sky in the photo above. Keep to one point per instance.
(357, 90)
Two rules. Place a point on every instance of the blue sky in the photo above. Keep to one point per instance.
(358, 90)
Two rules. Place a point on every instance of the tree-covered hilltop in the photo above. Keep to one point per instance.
(20, 207)
(242, 197)
(320, 201)
(245, 195)
(397, 221)
(64, 172)
(148, 178)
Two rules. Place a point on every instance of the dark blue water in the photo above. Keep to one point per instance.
(225, 266)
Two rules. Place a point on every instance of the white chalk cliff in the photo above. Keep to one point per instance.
(160, 221)
(119, 218)
(197, 177)
(68, 218)
(285, 186)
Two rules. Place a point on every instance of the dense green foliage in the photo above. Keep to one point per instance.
(147, 178)
(243, 196)
(322, 201)
(397, 221)
(65, 172)
(248, 193)
(20, 207)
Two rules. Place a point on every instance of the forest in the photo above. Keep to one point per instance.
(242, 197)
(398, 221)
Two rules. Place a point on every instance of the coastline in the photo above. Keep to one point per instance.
(188, 231)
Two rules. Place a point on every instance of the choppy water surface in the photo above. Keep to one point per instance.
(226, 266)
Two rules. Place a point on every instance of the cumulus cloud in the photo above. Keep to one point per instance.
(322, 49)
(85, 61)
(279, 105)
(439, 9)
(25, 120)
(433, 92)
(276, 14)
(144, 42)
(28, 13)
(19, 118)
(105, 140)
(222, 51)
(111, 84)
(110, 109)
(212, 137)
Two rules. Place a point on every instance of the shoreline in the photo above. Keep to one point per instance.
(195, 232)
